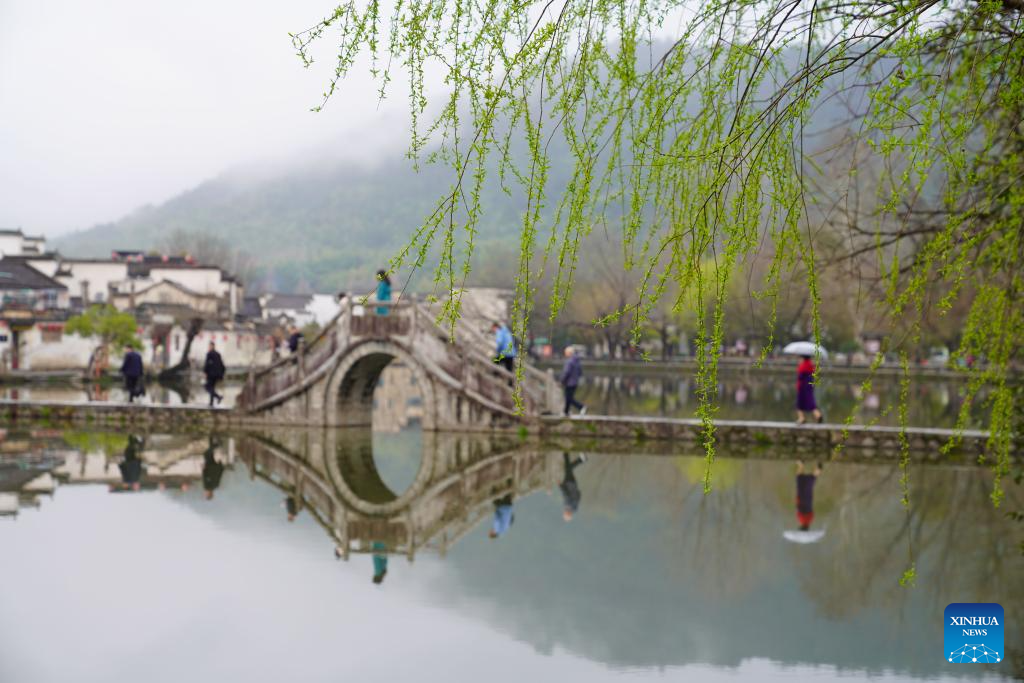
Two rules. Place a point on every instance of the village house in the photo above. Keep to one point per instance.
(17, 243)
(33, 308)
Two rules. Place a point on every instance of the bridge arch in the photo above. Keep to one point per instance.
(353, 473)
(348, 399)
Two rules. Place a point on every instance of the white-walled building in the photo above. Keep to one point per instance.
(17, 243)
(90, 280)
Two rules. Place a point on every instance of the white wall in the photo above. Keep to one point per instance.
(72, 352)
(323, 307)
(99, 275)
(10, 245)
(238, 348)
(203, 280)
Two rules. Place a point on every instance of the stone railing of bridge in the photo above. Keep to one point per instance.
(330, 382)
(337, 483)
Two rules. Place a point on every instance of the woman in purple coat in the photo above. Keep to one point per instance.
(805, 402)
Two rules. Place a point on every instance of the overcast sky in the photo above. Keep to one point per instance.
(106, 106)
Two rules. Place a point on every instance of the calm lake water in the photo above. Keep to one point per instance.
(650, 580)
(771, 396)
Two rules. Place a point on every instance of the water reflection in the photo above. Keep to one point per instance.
(650, 576)
(769, 396)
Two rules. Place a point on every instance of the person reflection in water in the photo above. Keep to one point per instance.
(212, 469)
(503, 516)
(291, 504)
(131, 465)
(380, 562)
(805, 495)
(570, 489)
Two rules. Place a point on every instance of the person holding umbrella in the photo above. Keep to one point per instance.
(805, 402)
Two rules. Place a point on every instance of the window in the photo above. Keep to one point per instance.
(51, 334)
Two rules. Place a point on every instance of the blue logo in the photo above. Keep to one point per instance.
(974, 633)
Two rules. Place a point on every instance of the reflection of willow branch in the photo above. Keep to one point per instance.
(708, 543)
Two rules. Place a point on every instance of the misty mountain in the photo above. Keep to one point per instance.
(320, 226)
(328, 226)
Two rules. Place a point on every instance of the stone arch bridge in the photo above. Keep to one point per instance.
(333, 477)
(330, 382)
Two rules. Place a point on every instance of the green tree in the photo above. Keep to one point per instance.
(695, 128)
(112, 328)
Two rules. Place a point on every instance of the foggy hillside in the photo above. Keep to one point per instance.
(323, 227)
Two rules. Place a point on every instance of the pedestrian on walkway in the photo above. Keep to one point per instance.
(570, 489)
(133, 371)
(805, 495)
(505, 346)
(805, 402)
(214, 370)
(570, 380)
(383, 291)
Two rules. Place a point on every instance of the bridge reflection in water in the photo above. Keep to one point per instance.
(332, 474)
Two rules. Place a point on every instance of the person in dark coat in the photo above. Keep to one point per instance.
(131, 464)
(805, 402)
(212, 469)
(132, 370)
(294, 339)
(570, 489)
(213, 368)
(570, 379)
(805, 495)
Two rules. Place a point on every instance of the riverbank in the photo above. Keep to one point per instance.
(623, 434)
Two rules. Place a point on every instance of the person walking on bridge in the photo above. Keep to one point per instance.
(214, 370)
(294, 339)
(505, 346)
(383, 291)
(132, 370)
(570, 380)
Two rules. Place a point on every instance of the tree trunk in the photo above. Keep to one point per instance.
(180, 370)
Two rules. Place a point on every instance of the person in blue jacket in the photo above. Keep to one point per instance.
(505, 346)
(383, 291)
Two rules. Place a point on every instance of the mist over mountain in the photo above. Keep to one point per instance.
(323, 226)
(328, 226)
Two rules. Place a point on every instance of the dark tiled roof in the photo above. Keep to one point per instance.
(17, 274)
(251, 307)
(289, 302)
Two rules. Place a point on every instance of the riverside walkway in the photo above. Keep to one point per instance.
(598, 432)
